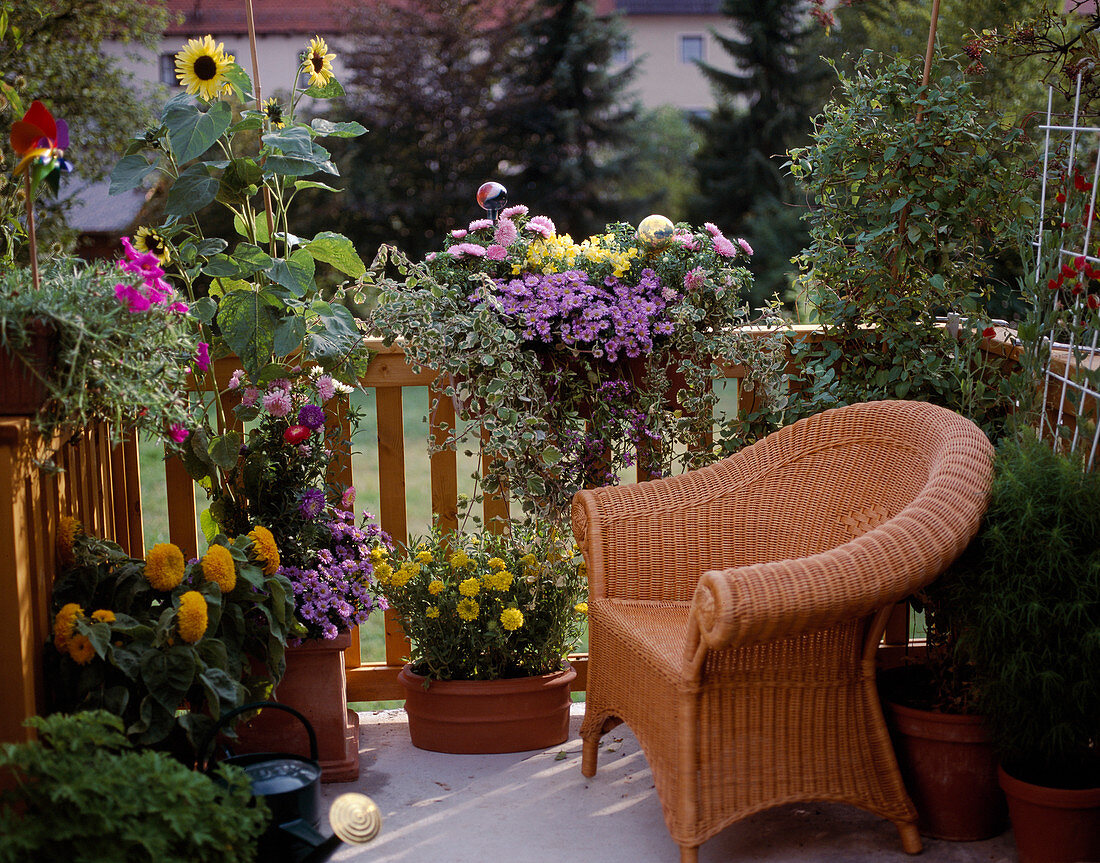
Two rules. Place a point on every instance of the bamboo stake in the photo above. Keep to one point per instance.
(260, 107)
(30, 230)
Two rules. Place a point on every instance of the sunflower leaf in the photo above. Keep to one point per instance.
(191, 132)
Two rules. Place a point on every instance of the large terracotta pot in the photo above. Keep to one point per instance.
(1053, 825)
(950, 772)
(316, 686)
(485, 716)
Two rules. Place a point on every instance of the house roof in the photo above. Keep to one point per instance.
(273, 17)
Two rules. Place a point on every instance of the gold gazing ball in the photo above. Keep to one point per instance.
(655, 233)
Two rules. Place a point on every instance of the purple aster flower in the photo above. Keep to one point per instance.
(311, 416)
(311, 503)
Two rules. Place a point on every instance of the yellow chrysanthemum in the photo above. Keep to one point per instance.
(431, 612)
(511, 619)
(273, 109)
(378, 555)
(67, 529)
(469, 587)
(582, 607)
(499, 580)
(201, 66)
(528, 560)
(63, 623)
(191, 617)
(467, 609)
(81, 650)
(149, 240)
(383, 572)
(104, 615)
(497, 563)
(459, 559)
(424, 557)
(401, 577)
(435, 587)
(318, 63)
(218, 567)
(264, 549)
(164, 566)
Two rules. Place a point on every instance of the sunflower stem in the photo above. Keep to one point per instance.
(259, 107)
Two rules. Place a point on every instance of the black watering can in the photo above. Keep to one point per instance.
(290, 785)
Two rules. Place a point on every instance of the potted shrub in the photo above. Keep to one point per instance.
(83, 794)
(1030, 594)
(490, 617)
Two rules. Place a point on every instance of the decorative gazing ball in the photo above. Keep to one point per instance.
(492, 196)
(655, 233)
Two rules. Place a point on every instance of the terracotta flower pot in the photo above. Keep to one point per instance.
(315, 685)
(1053, 825)
(950, 772)
(486, 716)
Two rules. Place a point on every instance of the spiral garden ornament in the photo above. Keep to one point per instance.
(355, 818)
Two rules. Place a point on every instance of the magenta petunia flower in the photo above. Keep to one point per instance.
(133, 299)
(178, 433)
(202, 356)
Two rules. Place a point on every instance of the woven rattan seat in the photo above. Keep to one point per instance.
(735, 611)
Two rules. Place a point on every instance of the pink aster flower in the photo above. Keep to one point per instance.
(496, 252)
(687, 240)
(277, 403)
(694, 279)
(235, 379)
(712, 229)
(745, 247)
(430, 256)
(347, 499)
(479, 224)
(458, 233)
(506, 232)
(724, 247)
(510, 212)
(202, 356)
(472, 249)
(250, 396)
(326, 389)
(178, 433)
(542, 226)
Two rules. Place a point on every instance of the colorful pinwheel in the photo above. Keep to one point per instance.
(41, 142)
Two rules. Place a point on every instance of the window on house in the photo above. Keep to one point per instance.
(168, 70)
(691, 48)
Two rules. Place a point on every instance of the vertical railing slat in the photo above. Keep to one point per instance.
(444, 463)
(391, 495)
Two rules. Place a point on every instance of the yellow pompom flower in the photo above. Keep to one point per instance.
(467, 609)
(201, 66)
(424, 557)
(499, 580)
(469, 587)
(497, 563)
(401, 577)
(459, 559)
(511, 619)
(63, 624)
(218, 567)
(528, 560)
(81, 650)
(435, 587)
(318, 63)
(164, 566)
(67, 530)
(378, 555)
(191, 616)
(264, 549)
(383, 572)
(431, 612)
(104, 615)
(582, 607)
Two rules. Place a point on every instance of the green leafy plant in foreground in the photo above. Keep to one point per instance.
(83, 795)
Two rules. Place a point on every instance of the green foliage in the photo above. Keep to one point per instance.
(458, 595)
(51, 51)
(83, 795)
(905, 212)
(118, 643)
(127, 368)
(266, 299)
(1029, 594)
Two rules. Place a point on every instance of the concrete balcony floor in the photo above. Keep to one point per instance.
(536, 807)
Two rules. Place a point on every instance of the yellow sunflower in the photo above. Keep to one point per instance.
(265, 549)
(164, 566)
(218, 566)
(67, 530)
(64, 624)
(191, 618)
(149, 240)
(274, 111)
(318, 63)
(104, 614)
(81, 650)
(201, 66)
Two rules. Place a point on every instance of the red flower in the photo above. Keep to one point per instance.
(1081, 184)
(1060, 197)
(296, 434)
(1079, 262)
(1054, 285)
(988, 333)
(1094, 301)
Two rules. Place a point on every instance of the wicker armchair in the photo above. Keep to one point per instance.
(734, 611)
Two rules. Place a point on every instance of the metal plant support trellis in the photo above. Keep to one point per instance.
(1071, 360)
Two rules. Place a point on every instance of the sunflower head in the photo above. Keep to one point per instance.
(201, 66)
(318, 63)
(274, 112)
(149, 240)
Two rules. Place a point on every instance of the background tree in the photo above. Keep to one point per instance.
(763, 109)
(51, 51)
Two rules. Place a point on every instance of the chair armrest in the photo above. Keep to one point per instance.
(783, 599)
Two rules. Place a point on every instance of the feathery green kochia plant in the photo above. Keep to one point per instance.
(1029, 596)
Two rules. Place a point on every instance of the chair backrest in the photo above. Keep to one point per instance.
(804, 489)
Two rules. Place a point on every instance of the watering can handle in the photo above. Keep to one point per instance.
(208, 740)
